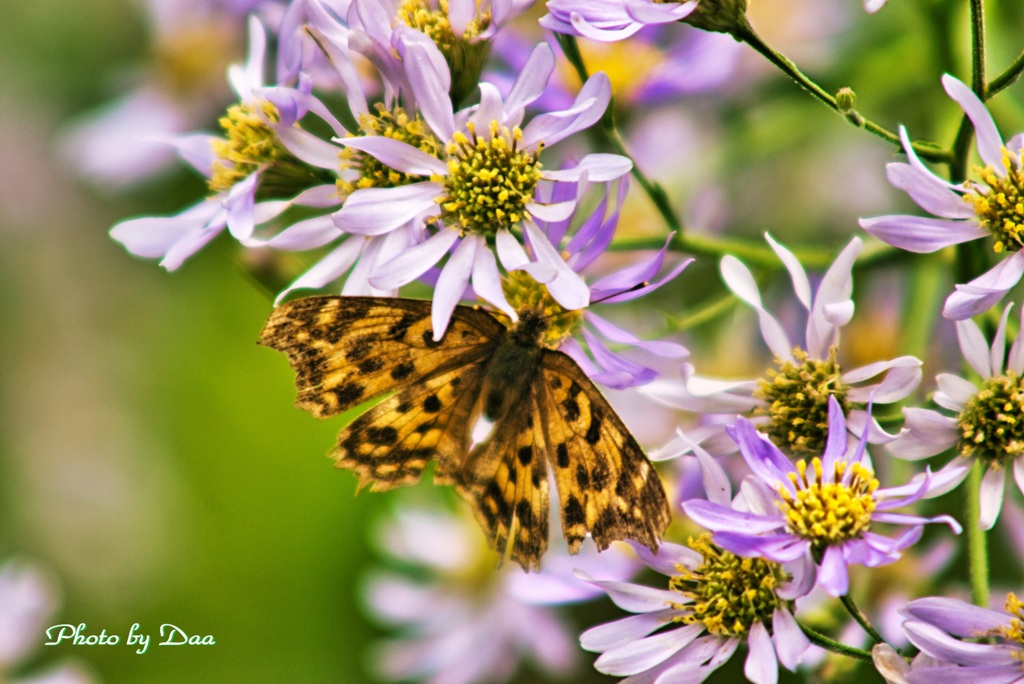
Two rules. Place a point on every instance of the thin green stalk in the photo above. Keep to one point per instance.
(978, 82)
(862, 619)
(747, 34)
(652, 189)
(754, 252)
(1007, 78)
(819, 639)
(977, 548)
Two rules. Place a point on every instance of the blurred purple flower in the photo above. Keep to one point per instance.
(818, 517)
(987, 424)
(462, 620)
(28, 600)
(988, 207)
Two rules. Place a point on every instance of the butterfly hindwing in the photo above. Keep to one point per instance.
(606, 485)
(347, 350)
(505, 480)
(389, 445)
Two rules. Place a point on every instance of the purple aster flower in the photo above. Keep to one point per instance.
(248, 160)
(610, 20)
(805, 379)
(987, 424)
(992, 205)
(462, 620)
(28, 599)
(817, 517)
(481, 188)
(715, 600)
(971, 644)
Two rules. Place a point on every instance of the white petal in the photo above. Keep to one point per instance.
(738, 278)
(954, 392)
(604, 637)
(599, 168)
(643, 654)
(761, 666)
(487, 281)
(904, 375)
(999, 343)
(568, 288)
(328, 269)
(397, 154)
(790, 641)
(373, 211)
(452, 283)
(992, 487)
(990, 144)
(413, 263)
(801, 285)
(935, 198)
(835, 290)
(974, 347)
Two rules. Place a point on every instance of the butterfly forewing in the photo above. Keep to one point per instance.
(606, 485)
(347, 350)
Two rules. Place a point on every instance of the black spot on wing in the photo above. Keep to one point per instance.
(562, 454)
(525, 454)
(432, 404)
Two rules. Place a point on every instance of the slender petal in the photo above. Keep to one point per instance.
(935, 198)
(761, 666)
(452, 283)
(920, 234)
(614, 634)
(993, 484)
(413, 263)
(397, 154)
(990, 143)
(790, 641)
(373, 211)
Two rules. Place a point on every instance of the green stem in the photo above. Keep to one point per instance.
(613, 136)
(757, 253)
(747, 35)
(1007, 78)
(702, 313)
(829, 644)
(976, 546)
(862, 619)
(978, 48)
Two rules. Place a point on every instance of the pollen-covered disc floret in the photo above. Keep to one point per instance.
(797, 397)
(490, 180)
(829, 510)
(419, 14)
(526, 294)
(1000, 205)
(728, 593)
(249, 143)
(1015, 630)
(991, 426)
(397, 125)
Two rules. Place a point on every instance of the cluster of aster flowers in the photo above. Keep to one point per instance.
(401, 146)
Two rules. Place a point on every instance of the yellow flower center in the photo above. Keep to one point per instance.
(828, 513)
(797, 400)
(396, 125)
(250, 143)
(990, 425)
(626, 63)
(490, 180)
(1015, 630)
(1000, 206)
(526, 294)
(729, 593)
(422, 16)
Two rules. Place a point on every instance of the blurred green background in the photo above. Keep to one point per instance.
(150, 454)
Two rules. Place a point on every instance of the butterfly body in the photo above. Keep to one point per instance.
(547, 417)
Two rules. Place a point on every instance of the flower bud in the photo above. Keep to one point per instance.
(722, 16)
(845, 99)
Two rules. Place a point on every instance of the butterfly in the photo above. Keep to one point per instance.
(545, 414)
